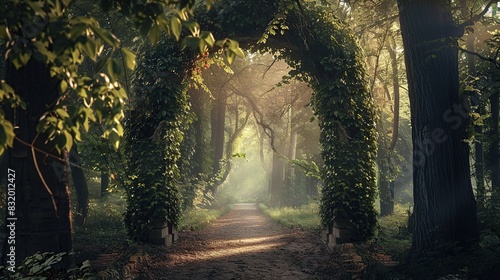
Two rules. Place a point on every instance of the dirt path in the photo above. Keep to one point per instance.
(244, 244)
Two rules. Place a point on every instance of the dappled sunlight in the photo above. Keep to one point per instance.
(254, 247)
(224, 252)
(255, 240)
(228, 248)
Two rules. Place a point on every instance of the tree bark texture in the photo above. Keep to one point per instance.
(218, 117)
(494, 154)
(42, 198)
(384, 178)
(445, 209)
(395, 87)
(104, 183)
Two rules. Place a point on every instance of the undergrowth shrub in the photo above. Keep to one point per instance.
(49, 266)
(104, 229)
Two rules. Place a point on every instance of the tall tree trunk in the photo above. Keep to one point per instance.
(395, 92)
(199, 106)
(289, 195)
(292, 152)
(82, 190)
(395, 122)
(386, 200)
(475, 101)
(445, 209)
(386, 153)
(217, 139)
(277, 180)
(104, 183)
(495, 144)
(42, 204)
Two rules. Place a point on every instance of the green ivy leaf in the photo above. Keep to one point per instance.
(3, 32)
(230, 55)
(176, 27)
(208, 37)
(154, 34)
(114, 139)
(63, 87)
(90, 48)
(193, 27)
(129, 58)
(6, 133)
(106, 36)
(68, 140)
(114, 69)
(100, 64)
(62, 113)
(190, 41)
(22, 58)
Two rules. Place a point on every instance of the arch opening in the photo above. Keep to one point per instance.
(322, 52)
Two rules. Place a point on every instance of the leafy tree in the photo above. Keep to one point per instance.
(44, 49)
(157, 120)
(376, 23)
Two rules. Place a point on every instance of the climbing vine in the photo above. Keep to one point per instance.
(158, 119)
(347, 119)
(332, 60)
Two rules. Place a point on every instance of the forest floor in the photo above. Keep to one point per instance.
(247, 244)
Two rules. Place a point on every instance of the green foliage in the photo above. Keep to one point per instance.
(99, 155)
(305, 217)
(310, 168)
(489, 218)
(158, 120)
(394, 235)
(346, 117)
(43, 31)
(103, 230)
(328, 58)
(47, 265)
(332, 63)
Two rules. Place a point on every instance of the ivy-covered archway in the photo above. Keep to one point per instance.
(323, 53)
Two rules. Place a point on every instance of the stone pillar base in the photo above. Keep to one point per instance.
(162, 233)
(336, 233)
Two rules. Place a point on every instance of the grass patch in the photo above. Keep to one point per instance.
(305, 217)
(393, 233)
(104, 230)
(198, 218)
(448, 262)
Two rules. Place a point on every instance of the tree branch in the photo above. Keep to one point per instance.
(492, 60)
(475, 18)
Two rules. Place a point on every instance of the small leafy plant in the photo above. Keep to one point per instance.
(49, 265)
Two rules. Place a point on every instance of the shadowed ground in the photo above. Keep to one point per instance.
(246, 244)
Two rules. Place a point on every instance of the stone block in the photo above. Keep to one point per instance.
(341, 232)
(337, 232)
(324, 235)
